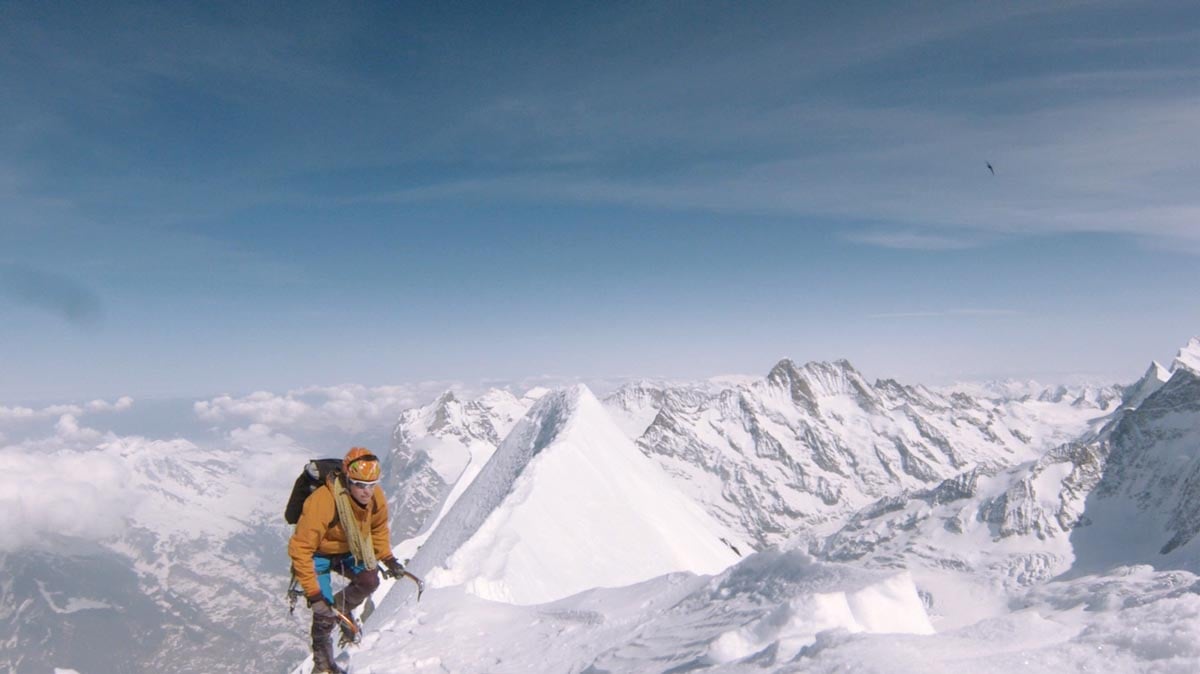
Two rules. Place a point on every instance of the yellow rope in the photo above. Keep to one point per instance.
(360, 541)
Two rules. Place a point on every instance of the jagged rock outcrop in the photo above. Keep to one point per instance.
(1148, 502)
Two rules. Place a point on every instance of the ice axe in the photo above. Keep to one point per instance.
(388, 573)
(351, 629)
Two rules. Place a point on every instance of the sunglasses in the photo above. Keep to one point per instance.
(363, 485)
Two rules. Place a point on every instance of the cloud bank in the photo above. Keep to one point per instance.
(20, 413)
(67, 493)
(352, 408)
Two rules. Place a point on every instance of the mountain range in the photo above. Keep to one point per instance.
(968, 500)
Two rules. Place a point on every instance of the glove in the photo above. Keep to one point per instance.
(392, 567)
(321, 608)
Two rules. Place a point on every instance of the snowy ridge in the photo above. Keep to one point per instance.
(515, 533)
(438, 449)
(493, 482)
(1156, 375)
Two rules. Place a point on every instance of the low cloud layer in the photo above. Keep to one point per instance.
(90, 484)
(351, 408)
(64, 493)
(19, 413)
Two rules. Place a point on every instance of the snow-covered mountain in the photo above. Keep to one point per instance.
(1146, 508)
(765, 456)
(559, 533)
(1156, 375)
(567, 503)
(984, 547)
(440, 445)
(195, 574)
(810, 444)
(1098, 396)
(1123, 495)
(974, 539)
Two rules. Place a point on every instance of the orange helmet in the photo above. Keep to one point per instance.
(361, 465)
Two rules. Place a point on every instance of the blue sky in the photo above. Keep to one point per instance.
(206, 198)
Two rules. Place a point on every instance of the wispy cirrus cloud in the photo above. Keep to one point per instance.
(811, 141)
(922, 172)
(912, 240)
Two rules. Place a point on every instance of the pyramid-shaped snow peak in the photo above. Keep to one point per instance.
(568, 503)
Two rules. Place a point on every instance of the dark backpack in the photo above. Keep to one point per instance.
(311, 478)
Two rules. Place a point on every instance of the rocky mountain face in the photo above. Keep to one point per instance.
(1146, 508)
(1151, 381)
(810, 444)
(1128, 493)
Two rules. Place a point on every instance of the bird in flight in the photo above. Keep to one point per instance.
(989, 165)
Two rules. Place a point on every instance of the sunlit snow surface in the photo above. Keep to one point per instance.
(962, 576)
(565, 504)
(764, 610)
(782, 612)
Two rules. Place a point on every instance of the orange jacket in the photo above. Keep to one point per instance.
(320, 532)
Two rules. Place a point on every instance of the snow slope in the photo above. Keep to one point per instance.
(783, 612)
(565, 504)
(765, 610)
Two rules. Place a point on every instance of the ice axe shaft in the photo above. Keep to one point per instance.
(351, 629)
(420, 584)
(408, 574)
